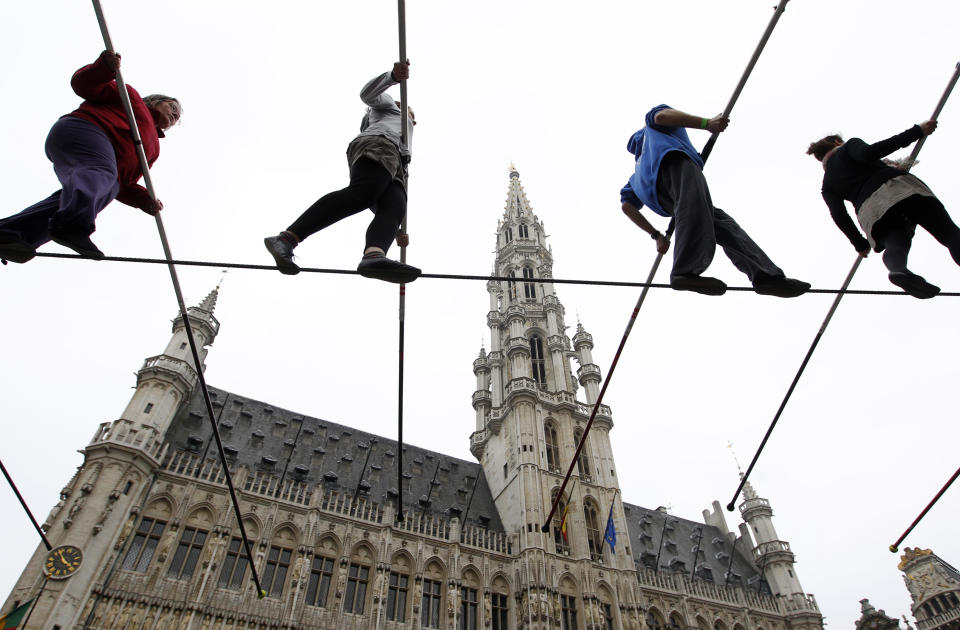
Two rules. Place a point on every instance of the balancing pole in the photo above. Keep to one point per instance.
(833, 308)
(402, 23)
(16, 491)
(148, 183)
(936, 111)
(913, 155)
(896, 546)
(707, 149)
(806, 359)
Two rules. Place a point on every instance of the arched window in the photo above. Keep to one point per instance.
(594, 540)
(529, 289)
(553, 447)
(583, 462)
(499, 605)
(537, 368)
(655, 620)
(522, 230)
(508, 234)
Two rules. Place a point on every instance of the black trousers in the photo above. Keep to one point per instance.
(682, 191)
(894, 232)
(371, 186)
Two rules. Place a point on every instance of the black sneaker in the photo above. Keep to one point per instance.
(282, 252)
(913, 284)
(780, 286)
(698, 284)
(77, 240)
(383, 268)
(14, 248)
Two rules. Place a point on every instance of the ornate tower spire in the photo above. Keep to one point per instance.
(529, 420)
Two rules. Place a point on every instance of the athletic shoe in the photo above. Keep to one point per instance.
(913, 284)
(14, 248)
(698, 284)
(780, 286)
(282, 252)
(77, 240)
(382, 268)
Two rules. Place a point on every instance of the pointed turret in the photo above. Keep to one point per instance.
(166, 380)
(776, 561)
(589, 372)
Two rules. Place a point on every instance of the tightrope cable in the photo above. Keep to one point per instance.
(833, 308)
(148, 183)
(707, 149)
(453, 276)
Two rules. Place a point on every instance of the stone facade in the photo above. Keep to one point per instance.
(163, 549)
(934, 588)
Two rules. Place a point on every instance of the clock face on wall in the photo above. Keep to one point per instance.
(62, 562)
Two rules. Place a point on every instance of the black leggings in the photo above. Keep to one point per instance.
(894, 232)
(371, 186)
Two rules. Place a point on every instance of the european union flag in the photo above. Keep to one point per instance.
(610, 535)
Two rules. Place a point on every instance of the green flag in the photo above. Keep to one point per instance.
(11, 620)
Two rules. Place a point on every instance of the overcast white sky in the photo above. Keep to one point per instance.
(270, 97)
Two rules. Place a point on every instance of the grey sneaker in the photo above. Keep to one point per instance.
(282, 252)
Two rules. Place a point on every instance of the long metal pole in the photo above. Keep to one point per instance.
(402, 313)
(707, 149)
(937, 110)
(895, 546)
(806, 359)
(148, 183)
(16, 491)
(833, 308)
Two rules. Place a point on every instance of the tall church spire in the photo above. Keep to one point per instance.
(529, 420)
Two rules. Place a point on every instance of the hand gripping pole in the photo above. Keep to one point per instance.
(148, 183)
(707, 149)
(404, 121)
(816, 340)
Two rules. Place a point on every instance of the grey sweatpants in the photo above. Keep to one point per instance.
(700, 227)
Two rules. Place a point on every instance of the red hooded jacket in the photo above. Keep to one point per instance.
(96, 84)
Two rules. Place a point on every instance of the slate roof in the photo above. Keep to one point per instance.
(315, 451)
(273, 440)
(680, 539)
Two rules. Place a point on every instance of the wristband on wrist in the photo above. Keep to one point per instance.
(704, 122)
(655, 235)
